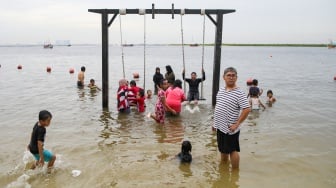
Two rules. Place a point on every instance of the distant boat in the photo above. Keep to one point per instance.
(331, 45)
(48, 46)
(128, 45)
(194, 45)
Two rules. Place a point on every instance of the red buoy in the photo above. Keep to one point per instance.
(249, 81)
(71, 70)
(48, 69)
(136, 75)
(19, 66)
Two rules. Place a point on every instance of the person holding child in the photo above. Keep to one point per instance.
(175, 96)
(122, 100)
(161, 105)
(132, 93)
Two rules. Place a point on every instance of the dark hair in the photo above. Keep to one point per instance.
(161, 82)
(142, 92)
(92, 80)
(270, 91)
(186, 146)
(185, 155)
(169, 69)
(194, 73)
(178, 83)
(230, 69)
(83, 68)
(44, 115)
(254, 91)
(133, 83)
(255, 82)
(157, 68)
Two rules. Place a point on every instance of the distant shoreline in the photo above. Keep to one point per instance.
(279, 45)
(269, 45)
(199, 45)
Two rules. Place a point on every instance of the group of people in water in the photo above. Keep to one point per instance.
(168, 90)
(254, 92)
(232, 108)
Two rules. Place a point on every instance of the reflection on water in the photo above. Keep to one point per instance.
(227, 177)
(171, 132)
(185, 169)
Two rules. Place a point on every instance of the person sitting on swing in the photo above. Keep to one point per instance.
(193, 93)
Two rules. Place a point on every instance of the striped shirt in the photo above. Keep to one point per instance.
(228, 107)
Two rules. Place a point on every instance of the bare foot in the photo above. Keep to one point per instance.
(49, 170)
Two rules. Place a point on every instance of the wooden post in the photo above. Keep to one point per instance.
(105, 68)
(217, 58)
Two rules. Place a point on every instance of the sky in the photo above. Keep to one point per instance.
(255, 21)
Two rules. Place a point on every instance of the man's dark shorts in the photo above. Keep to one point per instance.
(193, 96)
(228, 143)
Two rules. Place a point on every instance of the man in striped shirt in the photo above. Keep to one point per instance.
(231, 110)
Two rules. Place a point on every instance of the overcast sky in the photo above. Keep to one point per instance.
(255, 21)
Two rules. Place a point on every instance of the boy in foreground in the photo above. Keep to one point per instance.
(37, 141)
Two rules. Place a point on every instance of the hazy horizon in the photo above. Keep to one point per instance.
(254, 22)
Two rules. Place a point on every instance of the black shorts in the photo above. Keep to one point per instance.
(80, 84)
(193, 96)
(228, 143)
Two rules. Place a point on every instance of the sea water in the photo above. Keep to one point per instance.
(291, 144)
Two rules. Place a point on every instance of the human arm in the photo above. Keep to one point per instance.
(40, 151)
(261, 104)
(242, 117)
(260, 91)
(203, 75)
(183, 74)
(168, 108)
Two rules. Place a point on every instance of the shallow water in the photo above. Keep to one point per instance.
(291, 144)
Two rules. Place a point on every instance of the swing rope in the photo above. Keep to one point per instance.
(183, 59)
(144, 82)
(203, 53)
(122, 48)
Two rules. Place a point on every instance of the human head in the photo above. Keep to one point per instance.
(186, 146)
(149, 92)
(132, 83)
(169, 69)
(254, 92)
(193, 75)
(141, 93)
(255, 82)
(269, 93)
(83, 69)
(164, 84)
(157, 70)
(230, 76)
(123, 82)
(249, 82)
(44, 117)
(178, 83)
(92, 81)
